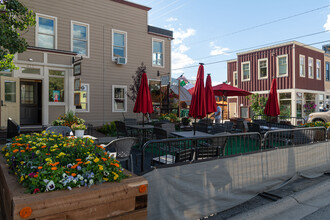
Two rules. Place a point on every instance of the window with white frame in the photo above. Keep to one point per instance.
(46, 31)
(246, 71)
(282, 65)
(119, 39)
(56, 86)
(80, 38)
(310, 68)
(119, 98)
(235, 78)
(318, 69)
(263, 68)
(84, 99)
(157, 52)
(302, 65)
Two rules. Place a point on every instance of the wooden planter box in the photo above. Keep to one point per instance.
(108, 200)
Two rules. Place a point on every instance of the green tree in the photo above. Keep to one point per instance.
(14, 19)
(258, 103)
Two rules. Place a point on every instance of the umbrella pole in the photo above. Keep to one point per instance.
(222, 108)
(195, 127)
(142, 120)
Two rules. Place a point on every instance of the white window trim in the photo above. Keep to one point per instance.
(88, 100)
(311, 77)
(302, 56)
(242, 72)
(318, 78)
(259, 60)
(121, 32)
(113, 98)
(235, 72)
(88, 41)
(37, 28)
(277, 66)
(152, 52)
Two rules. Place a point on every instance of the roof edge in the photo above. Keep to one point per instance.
(66, 52)
(133, 4)
(233, 60)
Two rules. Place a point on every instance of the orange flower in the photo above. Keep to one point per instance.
(56, 163)
(79, 162)
(47, 154)
(74, 166)
(44, 146)
(25, 212)
(35, 176)
(54, 168)
(39, 168)
(67, 171)
(22, 151)
(104, 159)
(78, 159)
(73, 174)
(16, 150)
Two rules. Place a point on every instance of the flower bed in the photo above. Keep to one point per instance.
(46, 162)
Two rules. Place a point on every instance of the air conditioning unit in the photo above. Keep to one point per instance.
(120, 60)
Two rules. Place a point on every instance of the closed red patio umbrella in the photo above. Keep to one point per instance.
(143, 103)
(272, 108)
(197, 107)
(211, 105)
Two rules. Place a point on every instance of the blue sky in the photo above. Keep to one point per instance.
(206, 28)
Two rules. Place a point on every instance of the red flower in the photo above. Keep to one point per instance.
(36, 190)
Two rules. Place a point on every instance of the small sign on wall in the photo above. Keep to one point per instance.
(77, 69)
(77, 99)
(77, 84)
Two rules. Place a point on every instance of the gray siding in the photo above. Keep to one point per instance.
(99, 70)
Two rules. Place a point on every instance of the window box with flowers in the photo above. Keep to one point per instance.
(47, 175)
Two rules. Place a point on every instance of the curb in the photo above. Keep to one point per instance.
(286, 203)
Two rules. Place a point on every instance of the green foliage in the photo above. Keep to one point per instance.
(14, 18)
(185, 121)
(285, 111)
(258, 103)
(68, 119)
(109, 129)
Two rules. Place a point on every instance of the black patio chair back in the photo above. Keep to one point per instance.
(254, 127)
(228, 126)
(207, 121)
(123, 147)
(130, 121)
(184, 155)
(203, 127)
(13, 129)
(260, 122)
(121, 129)
(218, 128)
(159, 133)
(168, 127)
(207, 151)
(63, 130)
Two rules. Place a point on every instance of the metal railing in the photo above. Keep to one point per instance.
(280, 119)
(166, 152)
(293, 137)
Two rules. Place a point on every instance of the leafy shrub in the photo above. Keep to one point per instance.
(109, 129)
(316, 124)
(68, 119)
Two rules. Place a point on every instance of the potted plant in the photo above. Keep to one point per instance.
(78, 129)
(185, 121)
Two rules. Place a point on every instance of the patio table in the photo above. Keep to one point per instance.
(267, 128)
(190, 134)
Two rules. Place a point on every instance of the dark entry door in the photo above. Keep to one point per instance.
(30, 102)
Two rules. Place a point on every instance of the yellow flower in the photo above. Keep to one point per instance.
(115, 175)
(22, 162)
(61, 154)
(7, 154)
(100, 167)
(105, 179)
(92, 141)
(88, 162)
(48, 160)
(38, 152)
(96, 160)
(22, 178)
(33, 148)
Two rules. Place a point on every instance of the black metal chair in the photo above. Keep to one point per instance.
(121, 129)
(63, 130)
(159, 133)
(260, 122)
(13, 129)
(239, 126)
(130, 121)
(123, 148)
(168, 127)
(207, 151)
(218, 128)
(229, 126)
(207, 121)
(254, 127)
(203, 127)
(184, 155)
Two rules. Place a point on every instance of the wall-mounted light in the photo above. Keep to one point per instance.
(241, 105)
(30, 59)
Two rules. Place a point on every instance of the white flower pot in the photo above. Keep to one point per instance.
(79, 133)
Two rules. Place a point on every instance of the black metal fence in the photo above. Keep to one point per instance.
(280, 119)
(177, 151)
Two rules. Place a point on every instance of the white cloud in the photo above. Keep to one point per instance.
(327, 24)
(214, 83)
(182, 48)
(180, 60)
(171, 19)
(180, 35)
(217, 50)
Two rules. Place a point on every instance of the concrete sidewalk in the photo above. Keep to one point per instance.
(310, 203)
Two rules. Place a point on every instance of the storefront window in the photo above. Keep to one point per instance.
(10, 91)
(299, 104)
(309, 101)
(285, 104)
(84, 96)
(56, 86)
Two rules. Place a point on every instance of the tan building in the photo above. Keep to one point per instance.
(326, 48)
(112, 37)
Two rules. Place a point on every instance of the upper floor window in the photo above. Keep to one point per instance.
(80, 38)
(235, 79)
(282, 65)
(327, 71)
(310, 68)
(157, 52)
(302, 65)
(46, 31)
(318, 69)
(263, 68)
(119, 44)
(246, 71)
